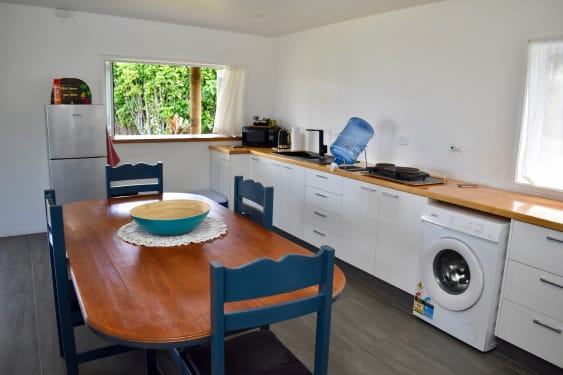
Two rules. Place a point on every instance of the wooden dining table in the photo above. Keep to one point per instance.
(159, 297)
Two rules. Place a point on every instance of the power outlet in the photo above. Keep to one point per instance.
(403, 140)
(455, 147)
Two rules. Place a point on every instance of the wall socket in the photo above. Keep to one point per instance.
(403, 140)
(455, 147)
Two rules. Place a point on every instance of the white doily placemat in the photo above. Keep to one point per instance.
(209, 229)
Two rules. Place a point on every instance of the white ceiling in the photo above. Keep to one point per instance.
(258, 17)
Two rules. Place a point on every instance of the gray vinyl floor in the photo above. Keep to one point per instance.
(371, 333)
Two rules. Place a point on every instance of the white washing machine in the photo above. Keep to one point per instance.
(460, 272)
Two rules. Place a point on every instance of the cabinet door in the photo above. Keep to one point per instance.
(237, 166)
(261, 170)
(318, 237)
(537, 246)
(289, 194)
(216, 159)
(324, 181)
(266, 172)
(398, 237)
(221, 173)
(359, 217)
(224, 168)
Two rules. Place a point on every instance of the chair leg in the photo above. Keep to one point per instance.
(322, 343)
(69, 347)
(58, 318)
(150, 362)
(67, 334)
(180, 364)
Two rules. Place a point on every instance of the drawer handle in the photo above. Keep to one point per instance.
(253, 158)
(286, 167)
(321, 195)
(390, 195)
(320, 176)
(553, 239)
(558, 330)
(543, 279)
(368, 189)
(319, 233)
(319, 214)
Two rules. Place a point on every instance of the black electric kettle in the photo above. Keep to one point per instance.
(284, 139)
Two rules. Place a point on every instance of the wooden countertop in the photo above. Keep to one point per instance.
(523, 207)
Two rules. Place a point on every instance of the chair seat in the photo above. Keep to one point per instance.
(213, 195)
(253, 353)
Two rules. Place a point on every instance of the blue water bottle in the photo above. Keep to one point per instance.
(351, 141)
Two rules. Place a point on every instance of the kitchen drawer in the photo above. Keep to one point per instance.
(516, 325)
(534, 288)
(325, 181)
(323, 199)
(537, 246)
(322, 218)
(319, 236)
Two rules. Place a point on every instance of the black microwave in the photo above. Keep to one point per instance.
(260, 136)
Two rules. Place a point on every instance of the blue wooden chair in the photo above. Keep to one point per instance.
(259, 351)
(76, 315)
(261, 206)
(67, 309)
(117, 177)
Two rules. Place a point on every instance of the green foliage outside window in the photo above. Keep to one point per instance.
(154, 99)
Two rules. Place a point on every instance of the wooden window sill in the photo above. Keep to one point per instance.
(173, 138)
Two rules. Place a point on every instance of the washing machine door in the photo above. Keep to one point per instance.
(452, 274)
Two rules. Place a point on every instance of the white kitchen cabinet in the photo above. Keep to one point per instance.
(531, 307)
(289, 198)
(398, 237)
(263, 170)
(220, 173)
(288, 183)
(224, 168)
(323, 206)
(359, 218)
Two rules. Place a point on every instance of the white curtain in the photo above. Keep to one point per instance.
(541, 141)
(229, 117)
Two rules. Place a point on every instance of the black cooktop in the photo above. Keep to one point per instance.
(403, 175)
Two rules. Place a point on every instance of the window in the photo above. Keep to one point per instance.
(153, 98)
(540, 153)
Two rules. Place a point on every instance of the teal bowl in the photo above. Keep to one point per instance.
(171, 217)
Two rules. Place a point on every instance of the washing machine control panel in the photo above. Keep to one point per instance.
(464, 220)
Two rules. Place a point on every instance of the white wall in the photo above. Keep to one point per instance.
(448, 71)
(36, 46)
(186, 165)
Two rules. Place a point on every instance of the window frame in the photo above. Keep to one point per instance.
(110, 115)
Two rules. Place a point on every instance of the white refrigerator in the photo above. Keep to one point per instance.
(76, 137)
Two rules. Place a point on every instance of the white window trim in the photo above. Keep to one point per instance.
(108, 76)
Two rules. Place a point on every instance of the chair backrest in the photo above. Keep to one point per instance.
(50, 200)
(134, 173)
(57, 248)
(263, 197)
(59, 267)
(266, 277)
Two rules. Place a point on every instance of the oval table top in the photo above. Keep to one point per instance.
(159, 296)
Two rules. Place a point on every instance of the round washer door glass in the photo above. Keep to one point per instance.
(452, 271)
(451, 274)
